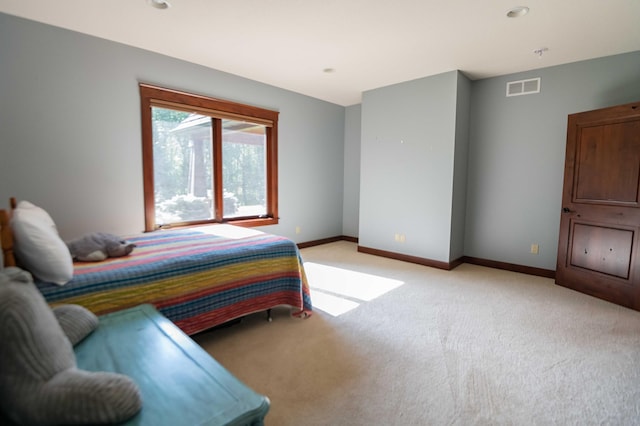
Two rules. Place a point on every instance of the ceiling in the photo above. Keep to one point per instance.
(367, 43)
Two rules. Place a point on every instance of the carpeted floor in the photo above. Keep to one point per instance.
(421, 346)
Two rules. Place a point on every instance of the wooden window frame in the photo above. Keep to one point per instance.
(154, 96)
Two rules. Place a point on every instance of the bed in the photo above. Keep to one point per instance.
(198, 277)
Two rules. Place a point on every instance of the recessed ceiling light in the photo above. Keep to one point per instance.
(517, 12)
(159, 4)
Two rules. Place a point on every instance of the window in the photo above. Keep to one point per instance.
(207, 161)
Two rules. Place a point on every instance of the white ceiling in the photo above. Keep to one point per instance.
(369, 43)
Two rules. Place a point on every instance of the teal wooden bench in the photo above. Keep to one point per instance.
(180, 383)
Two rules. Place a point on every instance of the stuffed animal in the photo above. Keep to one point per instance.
(97, 246)
(40, 383)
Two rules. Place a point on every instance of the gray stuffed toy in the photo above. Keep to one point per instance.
(97, 246)
(40, 383)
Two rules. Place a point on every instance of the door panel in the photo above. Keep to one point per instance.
(600, 249)
(607, 169)
(600, 223)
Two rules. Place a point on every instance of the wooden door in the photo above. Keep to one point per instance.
(600, 220)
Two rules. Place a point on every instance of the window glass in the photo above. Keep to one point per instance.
(182, 166)
(207, 160)
(244, 169)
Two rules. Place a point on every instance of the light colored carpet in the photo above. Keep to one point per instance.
(472, 346)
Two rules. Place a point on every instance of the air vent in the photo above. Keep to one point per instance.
(523, 87)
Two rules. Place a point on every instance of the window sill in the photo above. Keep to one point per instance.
(250, 223)
(246, 223)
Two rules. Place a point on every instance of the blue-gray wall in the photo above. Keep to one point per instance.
(478, 174)
(70, 141)
(461, 153)
(352, 136)
(407, 166)
(517, 149)
(70, 132)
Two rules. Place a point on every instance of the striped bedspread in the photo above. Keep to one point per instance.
(196, 278)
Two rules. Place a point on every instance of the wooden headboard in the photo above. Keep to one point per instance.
(6, 236)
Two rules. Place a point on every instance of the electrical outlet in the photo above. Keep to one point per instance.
(297, 230)
(534, 249)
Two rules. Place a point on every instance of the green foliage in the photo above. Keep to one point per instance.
(183, 166)
(170, 154)
(230, 204)
(244, 172)
(184, 208)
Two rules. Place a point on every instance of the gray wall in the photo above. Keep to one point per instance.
(70, 132)
(70, 142)
(517, 149)
(352, 135)
(407, 159)
(461, 153)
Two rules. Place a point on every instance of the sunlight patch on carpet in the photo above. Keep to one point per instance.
(333, 305)
(337, 290)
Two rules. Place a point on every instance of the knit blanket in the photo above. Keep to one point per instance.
(196, 278)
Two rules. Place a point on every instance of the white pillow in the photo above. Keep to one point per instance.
(38, 246)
